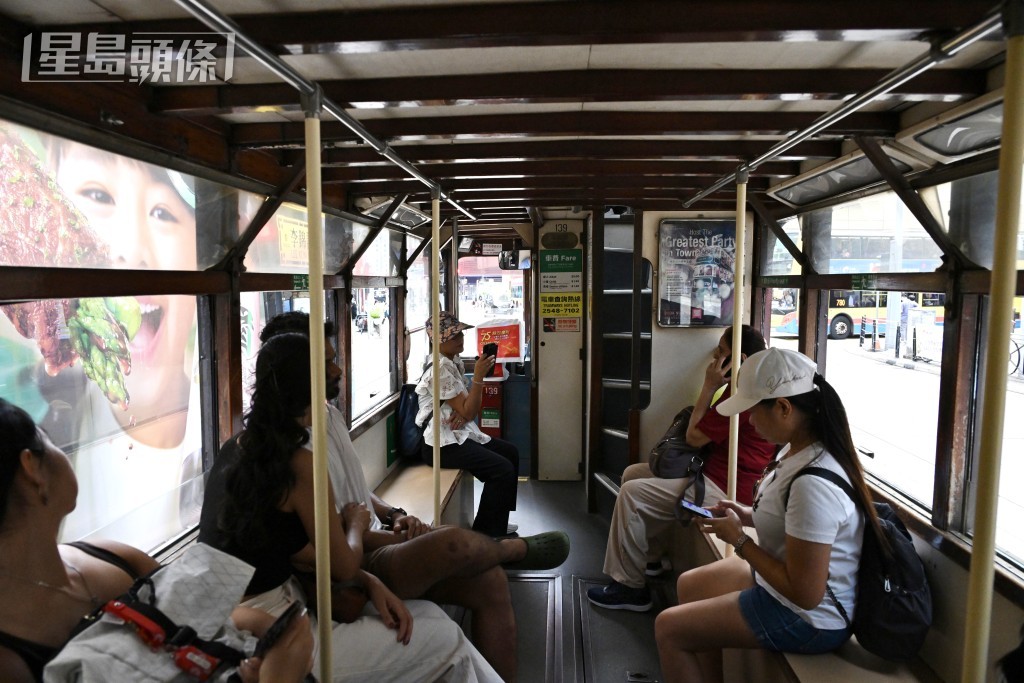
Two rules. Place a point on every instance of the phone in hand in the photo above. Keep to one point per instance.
(491, 349)
(726, 361)
(278, 628)
(687, 506)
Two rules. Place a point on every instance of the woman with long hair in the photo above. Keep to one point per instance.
(46, 589)
(780, 592)
(266, 518)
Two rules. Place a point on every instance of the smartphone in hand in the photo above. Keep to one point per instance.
(491, 349)
(687, 506)
(278, 628)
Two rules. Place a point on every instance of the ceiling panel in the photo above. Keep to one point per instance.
(556, 84)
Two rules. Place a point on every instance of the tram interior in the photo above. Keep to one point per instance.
(572, 140)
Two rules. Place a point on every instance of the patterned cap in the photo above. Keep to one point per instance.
(450, 327)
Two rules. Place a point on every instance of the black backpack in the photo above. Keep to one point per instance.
(894, 601)
(409, 435)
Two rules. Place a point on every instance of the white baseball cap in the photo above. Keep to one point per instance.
(774, 373)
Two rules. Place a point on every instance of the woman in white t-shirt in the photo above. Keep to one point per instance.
(779, 592)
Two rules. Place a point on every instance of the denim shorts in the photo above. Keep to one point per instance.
(780, 629)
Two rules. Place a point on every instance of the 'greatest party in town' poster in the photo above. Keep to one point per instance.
(696, 269)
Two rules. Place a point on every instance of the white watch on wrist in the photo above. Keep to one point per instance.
(739, 542)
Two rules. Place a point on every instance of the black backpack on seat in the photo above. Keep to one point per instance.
(408, 434)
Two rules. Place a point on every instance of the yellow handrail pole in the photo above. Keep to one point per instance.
(322, 539)
(737, 330)
(1004, 267)
(435, 312)
(737, 321)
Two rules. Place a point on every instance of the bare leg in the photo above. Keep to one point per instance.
(691, 635)
(494, 623)
(448, 552)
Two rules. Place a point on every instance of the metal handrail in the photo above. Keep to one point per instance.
(218, 22)
(895, 79)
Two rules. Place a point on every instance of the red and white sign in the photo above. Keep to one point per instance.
(507, 334)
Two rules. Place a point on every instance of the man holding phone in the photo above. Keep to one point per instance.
(646, 506)
(464, 445)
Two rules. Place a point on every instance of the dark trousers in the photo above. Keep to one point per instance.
(496, 464)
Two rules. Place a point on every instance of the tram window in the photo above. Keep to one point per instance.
(785, 317)
(256, 309)
(777, 260)
(383, 255)
(1009, 535)
(282, 245)
(417, 298)
(893, 410)
(487, 293)
(875, 234)
(970, 205)
(417, 310)
(134, 439)
(373, 377)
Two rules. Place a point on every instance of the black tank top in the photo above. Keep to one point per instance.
(35, 655)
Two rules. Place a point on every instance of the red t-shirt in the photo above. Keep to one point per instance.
(753, 455)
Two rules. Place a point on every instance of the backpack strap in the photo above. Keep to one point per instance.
(848, 490)
(824, 474)
(430, 415)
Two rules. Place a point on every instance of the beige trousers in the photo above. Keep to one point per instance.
(643, 517)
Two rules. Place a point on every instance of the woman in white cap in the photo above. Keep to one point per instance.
(463, 446)
(780, 592)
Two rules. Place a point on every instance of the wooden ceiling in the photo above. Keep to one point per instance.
(513, 105)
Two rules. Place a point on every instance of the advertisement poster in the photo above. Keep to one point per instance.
(507, 334)
(696, 269)
(112, 380)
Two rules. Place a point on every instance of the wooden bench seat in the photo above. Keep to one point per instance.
(411, 487)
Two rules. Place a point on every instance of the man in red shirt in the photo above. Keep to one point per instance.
(645, 508)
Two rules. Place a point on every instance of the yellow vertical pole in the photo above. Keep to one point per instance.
(737, 330)
(435, 312)
(1004, 267)
(322, 541)
(737, 321)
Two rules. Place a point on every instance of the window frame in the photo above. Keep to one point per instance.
(946, 525)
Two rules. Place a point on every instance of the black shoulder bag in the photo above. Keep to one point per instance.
(673, 458)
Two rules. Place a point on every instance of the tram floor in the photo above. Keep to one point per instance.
(562, 638)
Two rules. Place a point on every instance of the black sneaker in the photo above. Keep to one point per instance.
(617, 596)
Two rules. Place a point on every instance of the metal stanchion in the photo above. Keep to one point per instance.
(863, 325)
(899, 330)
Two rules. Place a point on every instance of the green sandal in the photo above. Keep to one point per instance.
(543, 551)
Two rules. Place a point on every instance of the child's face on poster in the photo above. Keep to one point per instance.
(134, 208)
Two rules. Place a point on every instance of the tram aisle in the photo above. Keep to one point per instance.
(562, 637)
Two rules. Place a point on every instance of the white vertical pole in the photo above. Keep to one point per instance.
(1004, 272)
(322, 540)
(435, 312)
